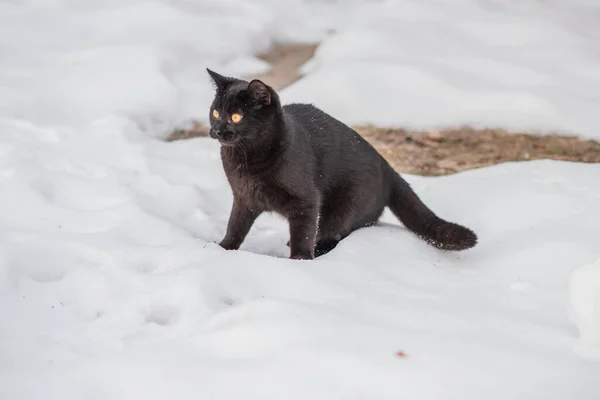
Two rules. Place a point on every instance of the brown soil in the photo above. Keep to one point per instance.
(285, 62)
(454, 150)
(429, 153)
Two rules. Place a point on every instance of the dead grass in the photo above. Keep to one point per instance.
(454, 150)
(285, 60)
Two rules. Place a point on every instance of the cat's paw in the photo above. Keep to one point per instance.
(302, 257)
(228, 244)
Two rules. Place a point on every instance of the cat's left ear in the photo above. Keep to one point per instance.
(259, 92)
(221, 81)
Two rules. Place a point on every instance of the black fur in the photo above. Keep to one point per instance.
(309, 167)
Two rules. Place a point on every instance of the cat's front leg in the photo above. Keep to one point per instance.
(303, 231)
(240, 222)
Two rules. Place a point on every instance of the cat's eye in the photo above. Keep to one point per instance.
(235, 118)
(215, 114)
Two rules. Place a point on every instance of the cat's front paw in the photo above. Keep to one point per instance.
(228, 244)
(302, 257)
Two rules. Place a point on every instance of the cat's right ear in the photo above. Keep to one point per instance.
(259, 93)
(220, 81)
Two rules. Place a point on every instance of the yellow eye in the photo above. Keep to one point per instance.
(216, 114)
(235, 118)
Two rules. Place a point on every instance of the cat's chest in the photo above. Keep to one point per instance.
(257, 192)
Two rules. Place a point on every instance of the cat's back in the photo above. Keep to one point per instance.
(303, 112)
(313, 120)
(345, 164)
(328, 135)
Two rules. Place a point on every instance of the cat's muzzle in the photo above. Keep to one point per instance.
(224, 137)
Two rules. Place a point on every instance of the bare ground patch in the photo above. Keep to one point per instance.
(285, 60)
(454, 150)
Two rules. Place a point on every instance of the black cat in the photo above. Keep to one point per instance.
(312, 169)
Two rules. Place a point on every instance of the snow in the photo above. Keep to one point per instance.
(526, 65)
(112, 286)
(68, 62)
(585, 301)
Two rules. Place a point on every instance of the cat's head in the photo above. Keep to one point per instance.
(241, 111)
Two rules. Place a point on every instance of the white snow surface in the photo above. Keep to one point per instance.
(112, 286)
(585, 301)
(67, 62)
(531, 65)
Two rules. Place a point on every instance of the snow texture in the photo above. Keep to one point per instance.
(67, 62)
(111, 285)
(585, 301)
(524, 65)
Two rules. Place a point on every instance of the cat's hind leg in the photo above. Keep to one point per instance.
(324, 246)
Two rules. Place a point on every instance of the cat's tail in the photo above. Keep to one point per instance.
(419, 219)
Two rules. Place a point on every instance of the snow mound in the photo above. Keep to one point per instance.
(584, 292)
(527, 65)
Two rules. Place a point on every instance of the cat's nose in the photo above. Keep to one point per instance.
(215, 133)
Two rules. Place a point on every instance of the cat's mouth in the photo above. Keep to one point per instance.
(225, 138)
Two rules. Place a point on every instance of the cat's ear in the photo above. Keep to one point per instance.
(259, 92)
(220, 81)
